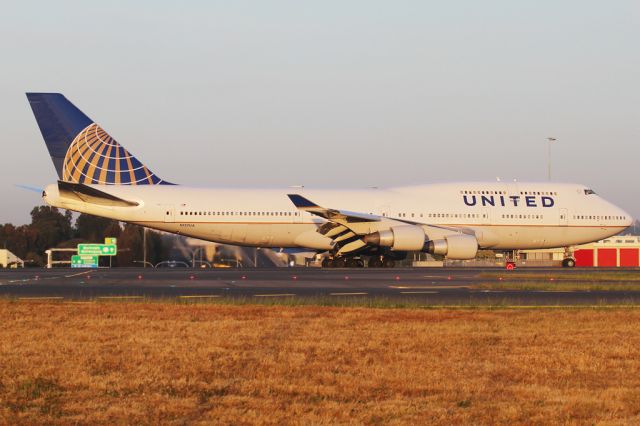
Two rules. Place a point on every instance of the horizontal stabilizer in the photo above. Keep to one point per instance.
(30, 188)
(91, 195)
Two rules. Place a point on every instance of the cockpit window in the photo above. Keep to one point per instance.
(589, 192)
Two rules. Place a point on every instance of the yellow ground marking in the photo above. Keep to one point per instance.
(274, 295)
(120, 297)
(347, 294)
(41, 298)
(426, 287)
(204, 296)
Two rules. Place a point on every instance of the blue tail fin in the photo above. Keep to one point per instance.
(82, 151)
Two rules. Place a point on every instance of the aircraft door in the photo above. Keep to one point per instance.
(486, 217)
(168, 214)
(384, 210)
(564, 217)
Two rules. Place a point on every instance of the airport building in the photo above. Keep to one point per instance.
(618, 251)
(10, 260)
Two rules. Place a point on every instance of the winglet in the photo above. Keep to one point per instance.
(300, 202)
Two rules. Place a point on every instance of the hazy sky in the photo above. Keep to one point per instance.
(332, 93)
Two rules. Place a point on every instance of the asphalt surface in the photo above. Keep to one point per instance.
(422, 285)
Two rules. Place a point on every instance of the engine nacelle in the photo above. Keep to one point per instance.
(458, 247)
(399, 238)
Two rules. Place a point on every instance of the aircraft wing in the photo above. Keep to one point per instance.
(345, 228)
(349, 229)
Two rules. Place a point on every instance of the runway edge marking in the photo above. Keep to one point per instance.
(274, 295)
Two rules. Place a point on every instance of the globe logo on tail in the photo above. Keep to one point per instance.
(94, 157)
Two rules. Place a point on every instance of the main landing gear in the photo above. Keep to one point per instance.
(342, 262)
(355, 262)
(381, 262)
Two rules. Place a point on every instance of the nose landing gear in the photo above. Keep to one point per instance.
(569, 260)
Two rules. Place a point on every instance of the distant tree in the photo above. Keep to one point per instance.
(157, 250)
(48, 228)
(113, 230)
(15, 239)
(130, 245)
(34, 259)
(94, 229)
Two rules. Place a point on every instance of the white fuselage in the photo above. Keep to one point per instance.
(501, 215)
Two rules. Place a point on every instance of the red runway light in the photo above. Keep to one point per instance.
(192, 277)
(139, 277)
(397, 277)
(449, 278)
(294, 277)
(346, 277)
(244, 277)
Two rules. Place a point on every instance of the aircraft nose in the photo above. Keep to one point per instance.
(628, 219)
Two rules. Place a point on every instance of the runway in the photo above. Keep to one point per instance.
(425, 286)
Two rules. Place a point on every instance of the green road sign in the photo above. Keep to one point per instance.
(84, 261)
(111, 240)
(97, 249)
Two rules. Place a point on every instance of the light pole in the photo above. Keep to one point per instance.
(144, 247)
(549, 157)
(193, 256)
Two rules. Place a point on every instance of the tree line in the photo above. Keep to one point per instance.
(51, 228)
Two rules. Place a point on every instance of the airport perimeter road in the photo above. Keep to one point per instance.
(428, 286)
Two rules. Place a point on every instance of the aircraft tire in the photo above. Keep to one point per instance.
(352, 263)
(389, 263)
(339, 262)
(569, 263)
(375, 262)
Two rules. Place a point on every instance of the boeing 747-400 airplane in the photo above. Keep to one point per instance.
(100, 177)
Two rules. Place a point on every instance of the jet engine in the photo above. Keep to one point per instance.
(413, 238)
(399, 238)
(459, 247)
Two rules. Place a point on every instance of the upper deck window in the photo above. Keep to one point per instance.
(589, 192)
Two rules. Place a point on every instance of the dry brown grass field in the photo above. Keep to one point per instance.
(150, 363)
